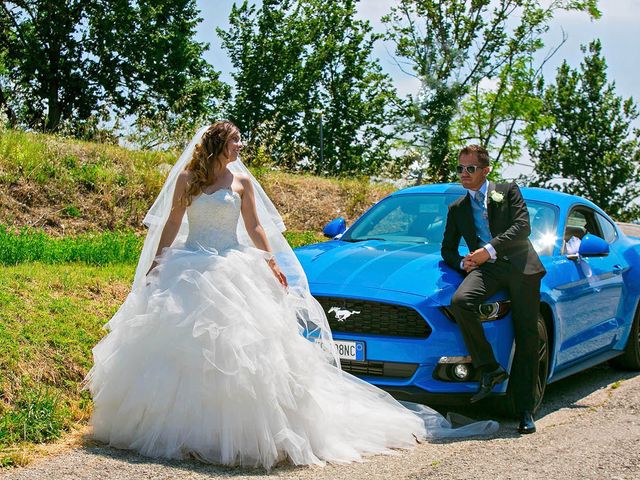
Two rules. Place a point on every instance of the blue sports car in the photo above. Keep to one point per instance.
(386, 292)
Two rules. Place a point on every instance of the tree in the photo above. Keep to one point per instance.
(70, 62)
(503, 118)
(591, 148)
(451, 47)
(297, 62)
(266, 51)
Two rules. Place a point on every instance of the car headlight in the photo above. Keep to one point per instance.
(488, 312)
(494, 310)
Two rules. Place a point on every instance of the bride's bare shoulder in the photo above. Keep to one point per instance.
(183, 180)
(244, 180)
(185, 177)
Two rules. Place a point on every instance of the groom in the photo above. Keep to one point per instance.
(494, 222)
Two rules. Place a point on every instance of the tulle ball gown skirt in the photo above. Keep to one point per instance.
(207, 361)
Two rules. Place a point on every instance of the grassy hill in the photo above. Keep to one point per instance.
(70, 233)
(66, 186)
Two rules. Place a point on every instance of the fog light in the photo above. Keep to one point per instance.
(455, 369)
(461, 371)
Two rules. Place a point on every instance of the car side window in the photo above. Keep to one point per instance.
(609, 232)
(580, 221)
(544, 222)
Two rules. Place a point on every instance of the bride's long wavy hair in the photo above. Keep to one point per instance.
(207, 158)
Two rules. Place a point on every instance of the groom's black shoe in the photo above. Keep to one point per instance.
(488, 381)
(527, 425)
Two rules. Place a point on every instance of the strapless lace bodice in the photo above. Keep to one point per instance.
(213, 220)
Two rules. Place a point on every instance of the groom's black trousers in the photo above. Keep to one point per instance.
(524, 292)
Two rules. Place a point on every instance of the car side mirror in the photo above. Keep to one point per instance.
(593, 246)
(335, 227)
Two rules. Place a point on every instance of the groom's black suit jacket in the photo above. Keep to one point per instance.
(508, 223)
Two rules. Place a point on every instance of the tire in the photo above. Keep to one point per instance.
(630, 359)
(507, 404)
(543, 365)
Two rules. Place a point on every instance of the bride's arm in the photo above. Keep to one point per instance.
(172, 226)
(254, 228)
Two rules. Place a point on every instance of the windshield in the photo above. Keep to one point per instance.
(421, 218)
(403, 218)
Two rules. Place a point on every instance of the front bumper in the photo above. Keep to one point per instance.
(405, 366)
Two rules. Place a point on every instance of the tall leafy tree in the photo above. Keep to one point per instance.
(301, 62)
(70, 62)
(591, 149)
(352, 91)
(451, 47)
(505, 116)
(266, 51)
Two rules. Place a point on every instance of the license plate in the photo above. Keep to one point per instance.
(348, 350)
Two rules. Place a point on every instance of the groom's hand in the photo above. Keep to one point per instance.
(468, 264)
(479, 256)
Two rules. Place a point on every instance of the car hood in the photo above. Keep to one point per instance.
(416, 269)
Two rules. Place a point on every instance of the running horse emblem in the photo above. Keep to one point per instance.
(342, 314)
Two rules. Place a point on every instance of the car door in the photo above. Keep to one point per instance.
(590, 294)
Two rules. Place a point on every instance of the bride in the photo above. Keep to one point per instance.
(220, 352)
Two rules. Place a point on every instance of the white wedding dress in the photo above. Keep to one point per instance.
(208, 361)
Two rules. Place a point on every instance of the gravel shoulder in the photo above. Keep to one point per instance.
(588, 428)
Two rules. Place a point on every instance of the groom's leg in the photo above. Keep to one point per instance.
(524, 291)
(477, 286)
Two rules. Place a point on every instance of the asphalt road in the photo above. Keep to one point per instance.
(588, 428)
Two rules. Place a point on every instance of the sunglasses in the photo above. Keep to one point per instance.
(471, 169)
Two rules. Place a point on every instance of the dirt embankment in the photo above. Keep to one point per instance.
(305, 203)
(67, 186)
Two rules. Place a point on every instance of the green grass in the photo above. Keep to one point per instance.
(51, 316)
(88, 166)
(99, 186)
(32, 245)
(298, 239)
(107, 248)
(37, 416)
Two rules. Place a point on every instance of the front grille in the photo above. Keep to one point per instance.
(373, 318)
(379, 369)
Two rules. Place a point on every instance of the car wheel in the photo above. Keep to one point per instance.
(543, 362)
(507, 404)
(630, 359)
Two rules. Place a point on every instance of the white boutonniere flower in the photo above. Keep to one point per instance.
(497, 196)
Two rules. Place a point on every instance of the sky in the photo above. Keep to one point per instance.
(617, 29)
